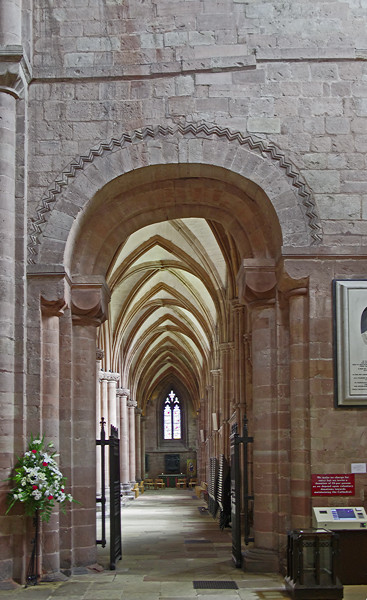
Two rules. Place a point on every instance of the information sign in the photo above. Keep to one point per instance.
(333, 485)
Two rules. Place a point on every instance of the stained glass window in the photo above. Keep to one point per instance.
(172, 417)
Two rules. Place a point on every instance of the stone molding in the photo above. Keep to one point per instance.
(123, 392)
(131, 403)
(266, 149)
(108, 376)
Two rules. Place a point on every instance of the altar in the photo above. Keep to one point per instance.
(170, 479)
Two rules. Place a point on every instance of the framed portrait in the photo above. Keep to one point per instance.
(350, 342)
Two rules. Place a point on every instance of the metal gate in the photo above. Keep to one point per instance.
(115, 502)
(236, 442)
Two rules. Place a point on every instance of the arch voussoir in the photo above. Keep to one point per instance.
(251, 158)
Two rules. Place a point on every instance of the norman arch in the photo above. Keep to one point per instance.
(263, 171)
(254, 204)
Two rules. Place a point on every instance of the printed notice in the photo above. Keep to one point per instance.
(358, 377)
(333, 485)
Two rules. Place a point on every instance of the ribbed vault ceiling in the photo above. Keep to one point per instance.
(170, 283)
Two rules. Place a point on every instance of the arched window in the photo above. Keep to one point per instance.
(172, 418)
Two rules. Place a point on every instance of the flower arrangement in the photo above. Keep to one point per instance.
(39, 482)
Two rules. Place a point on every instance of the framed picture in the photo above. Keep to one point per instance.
(350, 342)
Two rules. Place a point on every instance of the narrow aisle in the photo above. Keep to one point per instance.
(173, 549)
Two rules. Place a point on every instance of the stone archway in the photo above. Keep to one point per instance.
(151, 176)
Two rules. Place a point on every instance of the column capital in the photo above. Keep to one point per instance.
(293, 277)
(15, 70)
(256, 280)
(99, 354)
(226, 347)
(132, 403)
(89, 302)
(109, 376)
(300, 291)
(53, 308)
(123, 392)
(52, 287)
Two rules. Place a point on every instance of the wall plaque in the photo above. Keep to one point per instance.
(333, 485)
(350, 342)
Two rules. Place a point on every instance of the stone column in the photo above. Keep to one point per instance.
(217, 417)
(123, 395)
(131, 404)
(142, 448)
(112, 379)
(48, 296)
(89, 309)
(12, 270)
(138, 443)
(104, 399)
(109, 382)
(50, 419)
(299, 408)
(257, 287)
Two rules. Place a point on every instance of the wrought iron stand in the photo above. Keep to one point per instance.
(32, 575)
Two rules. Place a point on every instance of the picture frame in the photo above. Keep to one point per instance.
(350, 342)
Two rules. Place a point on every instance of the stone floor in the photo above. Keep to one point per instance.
(168, 544)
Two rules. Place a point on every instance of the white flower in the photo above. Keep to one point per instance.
(37, 441)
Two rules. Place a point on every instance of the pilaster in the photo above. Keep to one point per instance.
(257, 283)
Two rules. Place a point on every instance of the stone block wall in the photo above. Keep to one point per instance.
(292, 74)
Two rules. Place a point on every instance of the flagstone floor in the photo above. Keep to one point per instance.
(169, 545)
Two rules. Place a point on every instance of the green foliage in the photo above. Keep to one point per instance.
(38, 480)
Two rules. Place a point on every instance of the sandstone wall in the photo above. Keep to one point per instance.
(292, 73)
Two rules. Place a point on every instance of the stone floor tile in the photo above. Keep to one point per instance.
(157, 564)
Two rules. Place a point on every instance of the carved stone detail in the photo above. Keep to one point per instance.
(53, 289)
(109, 376)
(266, 149)
(15, 71)
(99, 354)
(256, 280)
(53, 308)
(226, 347)
(123, 392)
(132, 403)
(89, 303)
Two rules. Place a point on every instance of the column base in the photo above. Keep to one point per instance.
(126, 492)
(9, 584)
(260, 560)
(54, 576)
